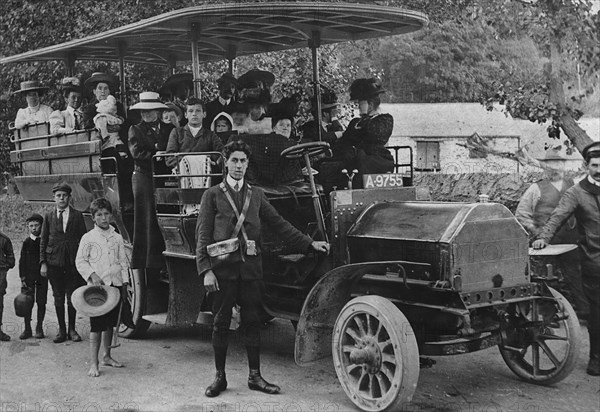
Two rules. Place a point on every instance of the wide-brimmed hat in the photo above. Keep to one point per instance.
(256, 78)
(63, 187)
(227, 78)
(149, 101)
(176, 80)
(35, 217)
(92, 301)
(70, 84)
(99, 77)
(30, 86)
(363, 89)
(552, 155)
(286, 108)
(23, 305)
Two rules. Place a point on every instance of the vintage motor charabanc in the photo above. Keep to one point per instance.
(406, 277)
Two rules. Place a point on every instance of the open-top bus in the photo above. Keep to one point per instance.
(406, 276)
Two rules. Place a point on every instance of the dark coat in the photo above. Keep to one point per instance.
(581, 201)
(7, 255)
(362, 146)
(310, 133)
(216, 221)
(58, 248)
(144, 142)
(29, 262)
(213, 108)
(182, 140)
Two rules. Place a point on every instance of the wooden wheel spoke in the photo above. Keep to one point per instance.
(361, 326)
(370, 321)
(547, 336)
(372, 392)
(386, 357)
(353, 334)
(549, 353)
(348, 348)
(387, 372)
(535, 358)
(384, 383)
(383, 345)
(351, 368)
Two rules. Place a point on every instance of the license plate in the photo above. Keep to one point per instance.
(382, 180)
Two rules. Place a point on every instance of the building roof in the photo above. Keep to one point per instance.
(445, 120)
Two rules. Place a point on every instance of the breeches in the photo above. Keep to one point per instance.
(248, 295)
(64, 281)
(38, 289)
(591, 287)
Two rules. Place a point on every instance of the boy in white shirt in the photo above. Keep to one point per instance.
(101, 260)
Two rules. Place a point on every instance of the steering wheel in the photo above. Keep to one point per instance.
(312, 148)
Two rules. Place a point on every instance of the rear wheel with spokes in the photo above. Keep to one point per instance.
(542, 343)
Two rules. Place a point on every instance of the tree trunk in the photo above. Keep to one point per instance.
(572, 130)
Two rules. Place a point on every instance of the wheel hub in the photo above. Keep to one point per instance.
(368, 354)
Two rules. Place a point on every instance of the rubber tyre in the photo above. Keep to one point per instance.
(388, 381)
(136, 295)
(569, 330)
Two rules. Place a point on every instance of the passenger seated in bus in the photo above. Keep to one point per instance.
(193, 137)
(227, 84)
(239, 116)
(35, 112)
(331, 128)
(177, 89)
(362, 146)
(70, 119)
(256, 94)
(222, 125)
(102, 85)
(172, 115)
(267, 167)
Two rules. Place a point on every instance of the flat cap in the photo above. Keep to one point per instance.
(35, 218)
(61, 186)
(591, 150)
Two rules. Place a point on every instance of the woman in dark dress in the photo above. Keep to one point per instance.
(362, 146)
(144, 140)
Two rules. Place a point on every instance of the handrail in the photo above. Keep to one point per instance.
(397, 165)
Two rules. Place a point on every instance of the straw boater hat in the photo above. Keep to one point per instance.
(149, 101)
(95, 301)
(31, 86)
(363, 89)
(99, 77)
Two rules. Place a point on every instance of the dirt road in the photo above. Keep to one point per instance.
(169, 371)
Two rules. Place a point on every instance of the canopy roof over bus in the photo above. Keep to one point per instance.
(231, 30)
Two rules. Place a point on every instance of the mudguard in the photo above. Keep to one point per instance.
(324, 303)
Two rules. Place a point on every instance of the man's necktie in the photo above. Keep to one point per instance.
(236, 187)
(78, 116)
(60, 220)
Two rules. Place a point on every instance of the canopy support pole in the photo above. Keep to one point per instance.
(231, 55)
(121, 50)
(314, 43)
(195, 31)
(70, 63)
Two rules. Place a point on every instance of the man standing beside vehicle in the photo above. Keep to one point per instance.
(222, 208)
(62, 230)
(533, 211)
(583, 201)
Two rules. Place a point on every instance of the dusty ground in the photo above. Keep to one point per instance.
(169, 370)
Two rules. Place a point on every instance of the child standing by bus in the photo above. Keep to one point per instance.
(32, 282)
(101, 260)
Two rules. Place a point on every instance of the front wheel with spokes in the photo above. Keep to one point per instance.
(542, 343)
(375, 354)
